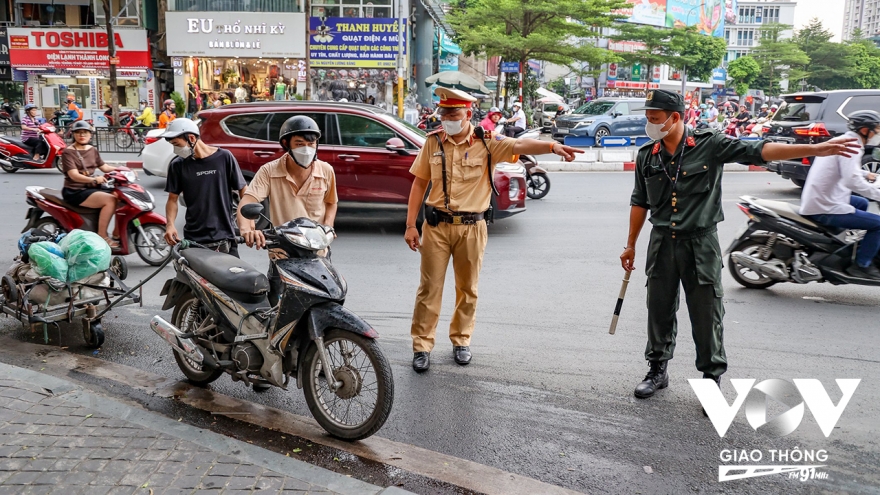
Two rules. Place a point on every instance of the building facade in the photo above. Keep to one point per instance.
(751, 16)
(863, 15)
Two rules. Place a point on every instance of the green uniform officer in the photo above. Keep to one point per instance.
(678, 179)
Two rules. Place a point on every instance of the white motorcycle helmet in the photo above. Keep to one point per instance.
(179, 127)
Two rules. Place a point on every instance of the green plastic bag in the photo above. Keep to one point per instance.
(45, 262)
(87, 254)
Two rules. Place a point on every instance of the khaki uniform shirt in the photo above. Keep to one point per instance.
(290, 200)
(467, 179)
(692, 201)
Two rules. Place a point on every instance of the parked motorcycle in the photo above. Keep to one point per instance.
(779, 245)
(140, 229)
(537, 182)
(125, 135)
(9, 114)
(224, 322)
(15, 155)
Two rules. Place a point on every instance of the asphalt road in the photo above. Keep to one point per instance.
(549, 392)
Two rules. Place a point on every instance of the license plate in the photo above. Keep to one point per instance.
(562, 131)
(137, 223)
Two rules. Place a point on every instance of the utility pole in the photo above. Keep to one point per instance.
(401, 66)
(111, 51)
(307, 94)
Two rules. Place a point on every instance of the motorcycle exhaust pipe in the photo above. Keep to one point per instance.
(6, 163)
(760, 266)
(175, 338)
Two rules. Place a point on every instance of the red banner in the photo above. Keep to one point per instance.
(77, 49)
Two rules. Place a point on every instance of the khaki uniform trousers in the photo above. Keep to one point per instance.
(466, 244)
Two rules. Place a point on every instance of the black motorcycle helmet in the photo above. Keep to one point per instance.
(81, 125)
(863, 119)
(298, 125)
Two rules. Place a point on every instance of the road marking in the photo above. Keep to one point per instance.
(460, 472)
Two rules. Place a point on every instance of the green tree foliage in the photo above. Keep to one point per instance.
(697, 53)
(743, 71)
(832, 65)
(866, 59)
(659, 47)
(778, 58)
(550, 30)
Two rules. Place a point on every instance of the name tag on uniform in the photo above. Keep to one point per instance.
(438, 153)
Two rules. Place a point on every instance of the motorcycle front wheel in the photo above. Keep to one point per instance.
(745, 276)
(153, 249)
(538, 185)
(360, 406)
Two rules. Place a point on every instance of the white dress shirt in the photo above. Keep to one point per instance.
(831, 182)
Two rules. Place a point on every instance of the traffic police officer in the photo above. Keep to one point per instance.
(459, 165)
(678, 179)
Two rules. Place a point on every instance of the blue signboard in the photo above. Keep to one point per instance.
(719, 76)
(509, 66)
(354, 42)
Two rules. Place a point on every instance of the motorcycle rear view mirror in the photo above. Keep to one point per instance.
(252, 211)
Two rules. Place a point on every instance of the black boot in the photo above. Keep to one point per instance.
(717, 380)
(421, 361)
(462, 354)
(654, 380)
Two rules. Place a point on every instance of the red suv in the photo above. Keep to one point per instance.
(370, 150)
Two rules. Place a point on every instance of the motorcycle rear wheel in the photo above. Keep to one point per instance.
(353, 357)
(188, 315)
(757, 280)
(123, 139)
(9, 169)
(58, 165)
(538, 185)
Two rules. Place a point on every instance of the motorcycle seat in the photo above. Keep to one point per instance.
(790, 211)
(233, 276)
(54, 196)
(19, 143)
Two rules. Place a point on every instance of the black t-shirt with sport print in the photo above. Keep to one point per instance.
(206, 185)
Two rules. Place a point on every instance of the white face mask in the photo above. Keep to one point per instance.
(655, 131)
(303, 156)
(453, 127)
(875, 140)
(183, 151)
(142, 106)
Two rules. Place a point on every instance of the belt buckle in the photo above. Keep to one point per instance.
(456, 220)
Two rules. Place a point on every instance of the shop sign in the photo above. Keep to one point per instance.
(235, 34)
(77, 48)
(354, 42)
(5, 66)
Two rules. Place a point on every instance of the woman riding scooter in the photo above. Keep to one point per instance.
(491, 119)
(81, 186)
(30, 132)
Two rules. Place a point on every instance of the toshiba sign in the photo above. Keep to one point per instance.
(77, 48)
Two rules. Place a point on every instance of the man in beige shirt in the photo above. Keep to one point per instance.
(297, 185)
(454, 161)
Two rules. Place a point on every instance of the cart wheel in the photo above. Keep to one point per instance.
(119, 266)
(93, 335)
(9, 290)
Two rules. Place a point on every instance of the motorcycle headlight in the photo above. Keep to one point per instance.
(144, 206)
(314, 239)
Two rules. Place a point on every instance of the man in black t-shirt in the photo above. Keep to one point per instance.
(206, 176)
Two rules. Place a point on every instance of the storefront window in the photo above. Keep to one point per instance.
(236, 5)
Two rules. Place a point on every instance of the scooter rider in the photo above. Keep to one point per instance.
(827, 198)
(30, 132)
(206, 176)
(297, 185)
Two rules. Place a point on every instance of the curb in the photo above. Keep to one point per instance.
(251, 454)
(577, 166)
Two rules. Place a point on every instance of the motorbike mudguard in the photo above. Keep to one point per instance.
(174, 290)
(33, 215)
(333, 315)
(151, 217)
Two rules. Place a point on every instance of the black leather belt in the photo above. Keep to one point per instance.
(459, 218)
(681, 235)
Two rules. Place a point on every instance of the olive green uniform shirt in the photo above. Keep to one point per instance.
(695, 202)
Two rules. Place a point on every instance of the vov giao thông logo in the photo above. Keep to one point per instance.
(798, 396)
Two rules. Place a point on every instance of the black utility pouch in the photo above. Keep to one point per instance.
(431, 216)
(489, 215)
